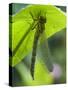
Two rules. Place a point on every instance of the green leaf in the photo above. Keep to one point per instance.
(39, 79)
(20, 42)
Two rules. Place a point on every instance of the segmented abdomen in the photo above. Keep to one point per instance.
(36, 37)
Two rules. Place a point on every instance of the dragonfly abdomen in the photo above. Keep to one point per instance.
(36, 37)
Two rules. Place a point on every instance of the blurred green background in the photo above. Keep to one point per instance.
(57, 45)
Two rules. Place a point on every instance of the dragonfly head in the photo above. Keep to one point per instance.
(42, 19)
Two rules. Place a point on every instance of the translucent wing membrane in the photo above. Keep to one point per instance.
(23, 38)
(45, 52)
(20, 47)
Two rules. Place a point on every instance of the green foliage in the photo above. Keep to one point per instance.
(22, 23)
(42, 76)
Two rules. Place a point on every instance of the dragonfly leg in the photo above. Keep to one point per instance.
(32, 16)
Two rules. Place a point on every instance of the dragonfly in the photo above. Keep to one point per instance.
(39, 26)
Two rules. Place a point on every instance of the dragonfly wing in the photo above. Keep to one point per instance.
(23, 38)
(18, 36)
(45, 52)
